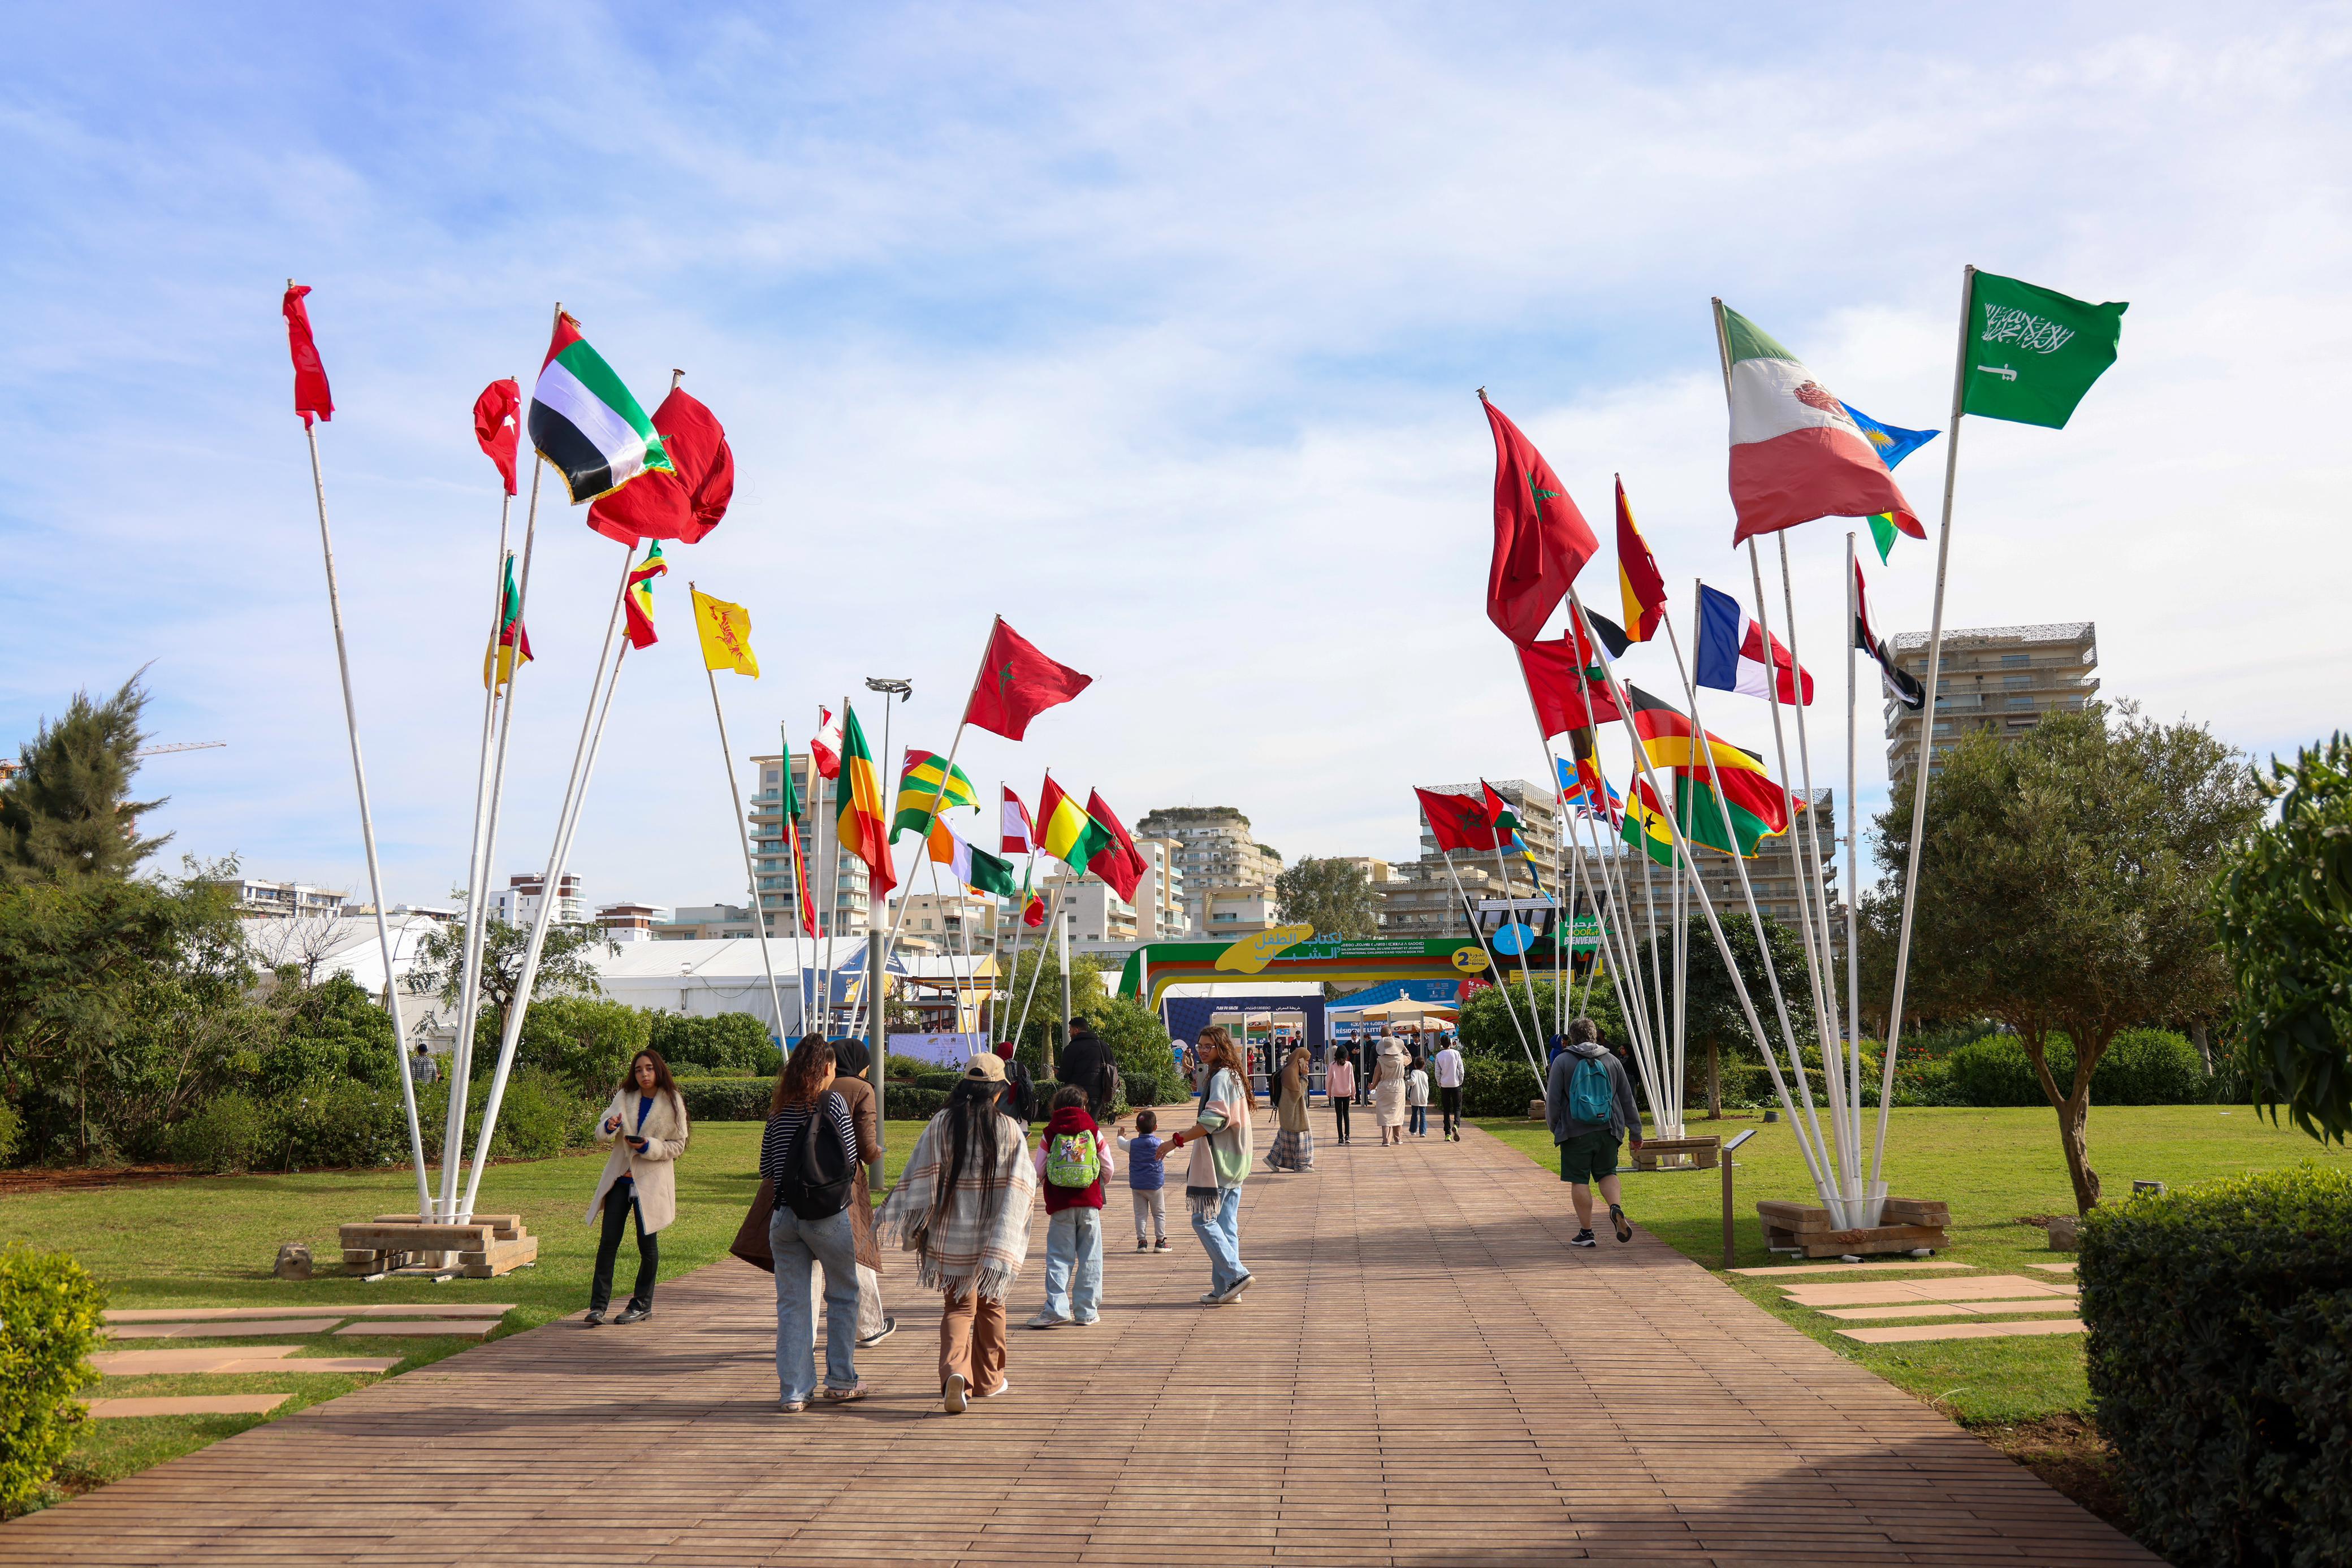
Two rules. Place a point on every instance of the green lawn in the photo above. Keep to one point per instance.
(211, 1241)
(1992, 1166)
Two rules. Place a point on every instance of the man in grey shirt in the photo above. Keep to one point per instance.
(422, 1069)
(1588, 1106)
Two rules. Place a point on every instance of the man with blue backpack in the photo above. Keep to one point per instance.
(1589, 1104)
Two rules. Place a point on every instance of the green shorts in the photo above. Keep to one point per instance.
(1586, 1157)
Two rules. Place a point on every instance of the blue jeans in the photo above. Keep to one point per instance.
(1074, 1242)
(1419, 1115)
(798, 1244)
(1220, 1230)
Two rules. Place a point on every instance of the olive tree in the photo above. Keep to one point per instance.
(2066, 885)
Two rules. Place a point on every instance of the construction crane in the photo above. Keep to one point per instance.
(178, 746)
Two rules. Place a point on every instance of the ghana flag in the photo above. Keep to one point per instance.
(919, 791)
(858, 828)
(586, 420)
(1703, 818)
(1065, 832)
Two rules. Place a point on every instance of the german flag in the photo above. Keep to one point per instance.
(1668, 737)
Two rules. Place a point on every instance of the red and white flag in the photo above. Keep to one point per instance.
(1020, 833)
(825, 746)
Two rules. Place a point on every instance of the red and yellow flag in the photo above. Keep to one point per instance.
(862, 829)
(509, 649)
(637, 599)
(1643, 589)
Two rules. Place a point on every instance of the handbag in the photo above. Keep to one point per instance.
(751, 1240)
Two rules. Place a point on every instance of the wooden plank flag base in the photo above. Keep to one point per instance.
(1909, 1225)
(1963, 1331)
(484, 1248)
(1678, 1153)
(218, 1329)
(201, 1405)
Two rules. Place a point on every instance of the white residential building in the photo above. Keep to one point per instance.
(517, 903)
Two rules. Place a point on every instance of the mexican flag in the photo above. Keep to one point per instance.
(1796, 453)
(586, 420)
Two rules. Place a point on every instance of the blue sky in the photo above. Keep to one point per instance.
(1156, 329)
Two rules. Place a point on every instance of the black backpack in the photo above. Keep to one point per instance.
(818, 1170)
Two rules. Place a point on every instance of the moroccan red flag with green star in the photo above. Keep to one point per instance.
(1017, 682)
(1541, 541)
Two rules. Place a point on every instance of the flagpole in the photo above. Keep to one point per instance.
(591, 732)
(481, 847)
(1833, 1073)
(797, 863)
(1853, 829)
(1005, 970)
(946, 773)
(367, 825)
(832, 883)
(1595, 890)
(1472, 915)
(743, 833)
(1037, 969)
(1526, 981)
(1816, 1156)
(1633, 997)
(1707, 904)
(1563, 876)
(1657, 982)
(1926, 725)
(1832, 1026)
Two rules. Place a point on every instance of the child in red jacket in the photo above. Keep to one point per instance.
(1071, 1165)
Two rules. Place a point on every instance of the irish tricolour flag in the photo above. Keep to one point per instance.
(1796, 453)
(585, 420)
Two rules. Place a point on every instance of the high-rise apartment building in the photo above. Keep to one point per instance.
(1997, 678)
(1419, 899)
(771, 855)
(1228, 876)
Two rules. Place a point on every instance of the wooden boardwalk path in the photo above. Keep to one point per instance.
(1423, 1372)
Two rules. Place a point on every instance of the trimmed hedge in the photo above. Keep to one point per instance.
(51, 1310)
(2141, 1067)
(1491, 1087)
(725, 1099)
(2221, 1364)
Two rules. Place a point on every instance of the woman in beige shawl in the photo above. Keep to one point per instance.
(961, 1207)
(1388, 1090)
(1294, 1146)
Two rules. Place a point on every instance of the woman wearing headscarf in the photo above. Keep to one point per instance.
(1388, 1090)
(1294, 1144)
(961, 1207)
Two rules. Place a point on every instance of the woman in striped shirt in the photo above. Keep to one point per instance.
(804, 1105)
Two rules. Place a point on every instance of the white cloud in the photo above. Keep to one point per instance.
(1156, 332)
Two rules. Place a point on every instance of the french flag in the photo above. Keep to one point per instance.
(1731, 655)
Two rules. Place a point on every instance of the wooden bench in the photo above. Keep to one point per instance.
(1678, 1153)
(483, 1248)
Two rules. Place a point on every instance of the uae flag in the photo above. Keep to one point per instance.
(585, 420)
(1796, 453)
(1901, 683)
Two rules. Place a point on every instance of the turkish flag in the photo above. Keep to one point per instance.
(1565, 699)
(498, 420)
(1541, 541)
(1457, 821)
(310, 394)
(1017, 682)
(683, 505)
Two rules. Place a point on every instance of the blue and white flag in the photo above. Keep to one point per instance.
(1891, 442)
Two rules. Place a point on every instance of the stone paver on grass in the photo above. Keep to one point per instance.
(1423, 1372)
(1786, 1271)
(1917, 1334)
(261, 1328)
(378, 1328)
(1979, 1288)
(381, 1309)
(205, 1405)
(2042, 1307)
(145, 1363)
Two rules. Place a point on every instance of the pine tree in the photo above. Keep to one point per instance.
(66, 814)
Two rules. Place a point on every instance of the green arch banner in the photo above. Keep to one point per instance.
(1295, 953)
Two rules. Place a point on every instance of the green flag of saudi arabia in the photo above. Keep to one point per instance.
(2032, 354)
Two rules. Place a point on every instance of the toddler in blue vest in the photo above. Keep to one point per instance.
(1147, 1182)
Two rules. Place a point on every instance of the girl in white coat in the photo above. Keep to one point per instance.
(645, 1125)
